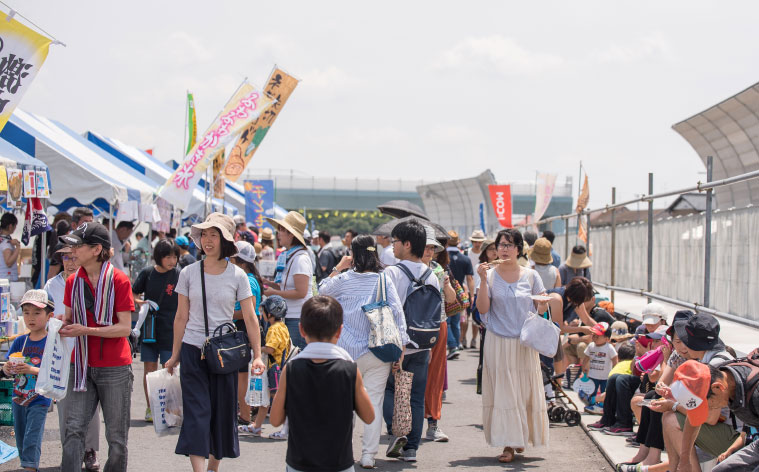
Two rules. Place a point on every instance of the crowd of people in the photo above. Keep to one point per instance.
(336, 326)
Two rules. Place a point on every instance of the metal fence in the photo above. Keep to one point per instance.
(676, 259)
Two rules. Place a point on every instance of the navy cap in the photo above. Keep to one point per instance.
(88, 233)
(700, 332)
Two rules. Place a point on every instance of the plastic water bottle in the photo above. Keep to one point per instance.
(255, 390)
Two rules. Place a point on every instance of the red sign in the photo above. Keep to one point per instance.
(500, 195)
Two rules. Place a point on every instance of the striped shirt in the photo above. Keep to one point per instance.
(354, 290)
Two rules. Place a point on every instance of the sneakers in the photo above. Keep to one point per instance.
(367, 461)
(148, 415)
(279, 435)
(434, 433)
(630, 468)
(453, 353)
(473, 344)
(395, 446)
(595, 409)
(91, 460)
(409, 455)
(597, 426)
(617, 431)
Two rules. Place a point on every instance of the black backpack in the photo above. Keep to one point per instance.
(749, 411)
(423, 309)
(323, 274)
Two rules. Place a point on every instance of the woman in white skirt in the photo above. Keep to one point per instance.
(513, 403)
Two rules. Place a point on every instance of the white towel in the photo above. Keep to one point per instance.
(324, 351)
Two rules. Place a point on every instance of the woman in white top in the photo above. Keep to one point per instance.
(540, 255)
(209, 427)
(9, 247)
(294, 271)
(353, 289)
(513, 404)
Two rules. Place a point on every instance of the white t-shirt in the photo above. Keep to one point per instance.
(402, 283)
(387, 257)
(299, 264)
(475, 258)
(222, 291)
(600, 360)
(118, 256)
(6, 272)
(56, 289)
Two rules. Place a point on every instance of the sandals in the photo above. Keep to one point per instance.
(509, 453)
(249, 429)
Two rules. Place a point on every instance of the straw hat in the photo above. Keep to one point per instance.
(453, 238)
(541, 251)
(292, 222)
(578, 261)
(267, 234)
(220, 221)
(477, 235)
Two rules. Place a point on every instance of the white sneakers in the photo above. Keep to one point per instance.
(367, 461)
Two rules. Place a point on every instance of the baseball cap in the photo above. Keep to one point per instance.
(600, 328)
(38, 298)
(619, 328)
(182, 241)
(660, 332)
(653, 313)
(88, 233)
(238, 219)
(275, 306)
(245, 251)
(689, 387)
(700, 332)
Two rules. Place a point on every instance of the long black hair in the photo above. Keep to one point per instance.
(365, 257)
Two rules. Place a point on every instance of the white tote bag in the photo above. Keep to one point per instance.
(540, 334)
(53, 378)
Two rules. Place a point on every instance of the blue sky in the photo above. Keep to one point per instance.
(438, 90)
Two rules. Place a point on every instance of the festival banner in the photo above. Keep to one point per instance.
(584, 197)
(22, 53)
(218, 178)
(192, 125)
(500, 195)
(259, 202)
(279, 86)
(246, 105)
(544, 187)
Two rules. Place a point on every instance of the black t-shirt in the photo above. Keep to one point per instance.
(328, 260)
(186, 260)
(460, 266)
(159, 287)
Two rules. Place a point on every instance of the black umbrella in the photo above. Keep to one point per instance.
(386, 228)
(402, 209)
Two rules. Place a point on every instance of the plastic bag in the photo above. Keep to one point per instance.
(540, 334)
(165, 395)
(258, 390)
(53, 378)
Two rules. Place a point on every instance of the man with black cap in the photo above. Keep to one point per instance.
(99, 305)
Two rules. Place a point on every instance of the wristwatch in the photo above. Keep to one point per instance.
(674, 406)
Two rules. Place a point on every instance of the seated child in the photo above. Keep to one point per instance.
(277, 342)
(600, 358)
(25, 356)
(318, 392)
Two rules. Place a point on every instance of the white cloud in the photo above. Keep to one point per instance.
(646, 47)
(503, 55)
(331, 77)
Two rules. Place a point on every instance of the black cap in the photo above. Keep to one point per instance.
(700, 332)
(88, 233)
(681, 316)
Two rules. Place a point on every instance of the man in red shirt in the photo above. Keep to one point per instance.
(99, 307)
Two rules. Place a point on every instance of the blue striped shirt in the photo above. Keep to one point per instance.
(354, 290)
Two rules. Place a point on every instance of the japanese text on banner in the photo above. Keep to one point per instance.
(259, 202)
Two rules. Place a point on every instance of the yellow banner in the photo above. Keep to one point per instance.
(279, 86)
(22, 53)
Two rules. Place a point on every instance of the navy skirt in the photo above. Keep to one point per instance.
(210, 409)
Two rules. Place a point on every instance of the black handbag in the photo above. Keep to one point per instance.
(224, 352)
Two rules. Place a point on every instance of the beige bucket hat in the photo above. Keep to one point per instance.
(541, 251)
(293, 222)
(220, 221)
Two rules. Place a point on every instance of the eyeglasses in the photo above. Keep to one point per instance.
(506, 246)
(66, 257)
(393, 241)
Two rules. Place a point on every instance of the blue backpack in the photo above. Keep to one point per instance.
(423, 309)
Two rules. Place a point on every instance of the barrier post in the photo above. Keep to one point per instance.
(650, 261)
(708, 233)
(566, 237)
(613, 240)
(587, 233)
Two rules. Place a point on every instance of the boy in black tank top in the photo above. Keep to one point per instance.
(318, 392)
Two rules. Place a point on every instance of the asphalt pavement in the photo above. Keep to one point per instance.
(570, 448)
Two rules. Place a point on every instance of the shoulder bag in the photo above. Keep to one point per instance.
(224, 352)
(384, 337)
(539, 333)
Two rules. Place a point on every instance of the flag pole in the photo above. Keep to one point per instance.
(186, 117)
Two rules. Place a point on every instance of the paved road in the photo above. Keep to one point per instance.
(570, 448)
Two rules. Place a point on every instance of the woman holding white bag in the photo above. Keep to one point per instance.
(516, 415)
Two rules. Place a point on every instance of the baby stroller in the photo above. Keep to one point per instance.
(561, 411)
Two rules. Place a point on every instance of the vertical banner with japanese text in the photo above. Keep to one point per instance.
(500, 196)
(279, 86)
(245, 106)
(22, 53)
(218, 178)
(259, 202)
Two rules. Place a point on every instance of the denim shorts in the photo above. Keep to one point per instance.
(149, 352)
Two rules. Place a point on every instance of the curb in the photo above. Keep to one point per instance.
(598, 445)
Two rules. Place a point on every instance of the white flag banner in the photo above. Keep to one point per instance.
(545, 185)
